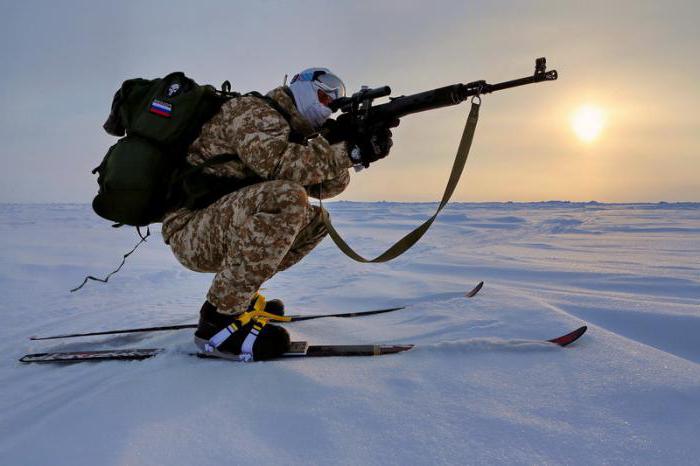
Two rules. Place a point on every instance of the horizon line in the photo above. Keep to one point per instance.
(384, 201)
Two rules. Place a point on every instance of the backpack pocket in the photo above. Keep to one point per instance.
(134, 178)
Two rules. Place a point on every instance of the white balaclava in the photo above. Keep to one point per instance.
(305, 87)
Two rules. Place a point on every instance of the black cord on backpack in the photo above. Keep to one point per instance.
(106, 279)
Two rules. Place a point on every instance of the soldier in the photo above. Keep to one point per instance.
(247, 236)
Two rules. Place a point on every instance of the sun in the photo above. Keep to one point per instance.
(587, 122)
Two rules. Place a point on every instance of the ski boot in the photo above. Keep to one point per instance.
(273, 306)
(245, 336)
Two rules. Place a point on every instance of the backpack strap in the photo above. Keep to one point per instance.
(194, 169)
(193, 189)
(226, 90)
(216, 160)
(294, 136)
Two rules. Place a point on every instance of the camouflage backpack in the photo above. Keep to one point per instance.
(145, 173)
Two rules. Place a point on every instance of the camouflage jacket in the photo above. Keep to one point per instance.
(259, 135)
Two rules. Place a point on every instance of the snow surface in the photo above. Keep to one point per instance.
(478, 389)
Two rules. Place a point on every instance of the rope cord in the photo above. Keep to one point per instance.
(106, 279)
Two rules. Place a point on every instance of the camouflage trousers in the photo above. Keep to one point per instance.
(246, 237)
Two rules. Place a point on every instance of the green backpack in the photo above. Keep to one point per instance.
(144, 175)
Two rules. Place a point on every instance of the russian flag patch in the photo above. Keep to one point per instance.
(161, 108)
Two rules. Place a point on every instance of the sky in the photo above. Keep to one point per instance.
(634, 63)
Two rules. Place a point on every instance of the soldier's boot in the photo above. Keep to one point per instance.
(273, 306)
(238, 337)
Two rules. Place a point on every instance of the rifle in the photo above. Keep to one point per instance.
(361, 117)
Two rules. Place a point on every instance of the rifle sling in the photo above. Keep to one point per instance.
(405, 243)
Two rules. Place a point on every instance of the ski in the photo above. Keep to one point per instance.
(475, 290)
(297, 350)
(301, 349)
(294, 318)
(135, 354)
(566, 340)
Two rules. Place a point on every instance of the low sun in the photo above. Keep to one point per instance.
(587, 122)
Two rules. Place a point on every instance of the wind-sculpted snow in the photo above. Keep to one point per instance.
(479, 388)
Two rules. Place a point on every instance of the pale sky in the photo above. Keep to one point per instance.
(635, 62)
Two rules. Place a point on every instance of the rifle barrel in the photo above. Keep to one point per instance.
(548, 76)
(421, 102)
(446, 96)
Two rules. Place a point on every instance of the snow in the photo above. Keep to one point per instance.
(480, 388)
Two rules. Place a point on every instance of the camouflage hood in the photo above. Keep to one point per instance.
(282, 96)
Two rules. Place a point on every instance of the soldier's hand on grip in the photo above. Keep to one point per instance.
(373, 147)
(336, 131)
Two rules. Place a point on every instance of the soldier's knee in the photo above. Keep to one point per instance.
(286, 199)
(295, 193)
(286, 194)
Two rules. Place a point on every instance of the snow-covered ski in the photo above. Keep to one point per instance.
(134, 354)
(297, 350)
(293, 318)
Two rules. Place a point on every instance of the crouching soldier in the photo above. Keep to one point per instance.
(247, 236)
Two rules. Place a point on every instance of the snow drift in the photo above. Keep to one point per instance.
(476, 390)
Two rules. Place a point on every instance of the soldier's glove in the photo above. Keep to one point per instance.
(368, 149)
(336, 131)
(344, 130)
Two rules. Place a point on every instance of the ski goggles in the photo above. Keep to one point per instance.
(324, 80)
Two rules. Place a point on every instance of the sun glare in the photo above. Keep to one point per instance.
(587, 122)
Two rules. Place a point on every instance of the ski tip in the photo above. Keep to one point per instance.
(475, 290)
(402, 348)
(569, 338)
(37, 337)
